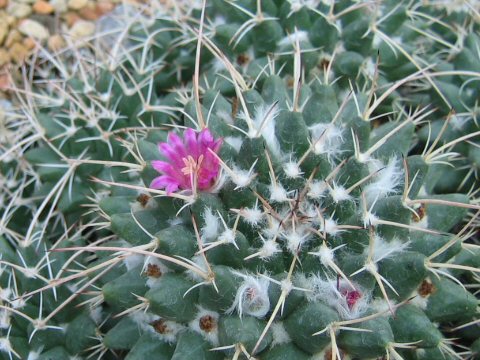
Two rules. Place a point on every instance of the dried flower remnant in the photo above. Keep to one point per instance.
(351, 297)
(190, 164)
(207, 323)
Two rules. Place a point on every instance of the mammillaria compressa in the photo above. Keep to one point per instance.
(247, 179)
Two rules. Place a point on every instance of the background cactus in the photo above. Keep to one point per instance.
(289, 202)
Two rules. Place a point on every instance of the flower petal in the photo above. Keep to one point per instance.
(191, 143)
(165, 182)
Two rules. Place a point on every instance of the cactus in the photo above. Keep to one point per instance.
(246, 179)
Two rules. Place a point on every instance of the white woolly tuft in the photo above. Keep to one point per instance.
(369, 67)
(279, 334)
(19, 303)
(328, 3)
(4, 319)
(271, 230)
(212, 335)
(153, 282)
(334, 293)
(386, 181)
(308, 209)
(252, 296)
(295, 240)
(150, 205)
(35, 354)
(330, 227)
(263, 123)
(269, 248)
(317, 189)
(217, 64)
(133, 261)
(252, 216)
(242, 178)
(175, 221)
(218, 20)
(278, 193)
(212, 225)
(297, 5)
(292, 170)
(383, 249)
(419, 301)
(96, 314)
(142, 318)
(199, 261)
(145, 319)
(380, 305)
(422, 223)
(339, 193)
(234, 142)
(326, 255)
(377, 40)
(292, 38)
(30, 272)
(370, 219)
(327, 139)
(227, 118)
(458, 122)
(5, 345)
(420, 352)
(227, 236)
(5, 294)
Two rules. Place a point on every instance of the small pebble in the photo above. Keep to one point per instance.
(13, 37)
(11, 20)
(19, 10)
(29, 43)
(4, 57)
(77, 4)
(60, 6)
(89, 12)
(4, 81)
(34, 29)
(43, 7)
(56, 42)
(71, 18)
(104, 7)
(82, 29)
(3, 30)
(20, 32)
(18, 52)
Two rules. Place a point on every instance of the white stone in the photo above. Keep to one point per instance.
(82, 29)
(3, 31)
(34, 29)
(77, 4)
(18, 10)
(60, 6)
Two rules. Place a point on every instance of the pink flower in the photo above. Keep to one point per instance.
(189, 164)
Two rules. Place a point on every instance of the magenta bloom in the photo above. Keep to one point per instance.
(189, 163)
